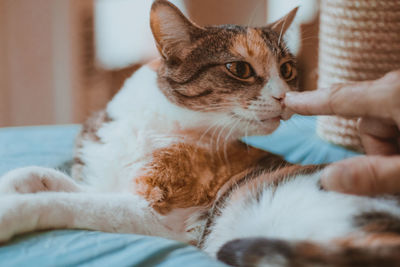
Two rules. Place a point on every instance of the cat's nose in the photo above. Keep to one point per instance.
(279, 94)
(280, 99)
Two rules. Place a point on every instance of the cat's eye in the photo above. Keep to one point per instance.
(240, 69)
(288, 71)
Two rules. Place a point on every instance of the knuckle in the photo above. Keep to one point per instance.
(371, 179)
(360, 125)
(334, 95)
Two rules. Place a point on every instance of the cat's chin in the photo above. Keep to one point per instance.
(262, 127)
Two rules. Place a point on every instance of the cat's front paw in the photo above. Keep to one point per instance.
(10, 221)
(36, 179)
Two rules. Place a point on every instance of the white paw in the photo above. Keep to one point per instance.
(36, 179)
(19, 214)
(9, 218)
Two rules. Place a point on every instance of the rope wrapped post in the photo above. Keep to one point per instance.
(358, 40)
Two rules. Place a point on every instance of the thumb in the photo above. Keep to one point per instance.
(364, 175)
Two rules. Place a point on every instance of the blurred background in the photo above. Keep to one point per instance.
(60, 60)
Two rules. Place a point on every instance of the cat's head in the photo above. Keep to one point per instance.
(239, 72)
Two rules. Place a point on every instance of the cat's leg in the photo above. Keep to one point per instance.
(122, 213)
(36, 179)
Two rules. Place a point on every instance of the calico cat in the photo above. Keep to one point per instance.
(164, 159)
(168, 141)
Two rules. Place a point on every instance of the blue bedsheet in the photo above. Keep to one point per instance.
(52, 146)
(90, 248)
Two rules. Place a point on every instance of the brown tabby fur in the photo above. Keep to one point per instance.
(195, 76)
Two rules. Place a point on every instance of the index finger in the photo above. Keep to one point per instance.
(365, 175)
(369, 98)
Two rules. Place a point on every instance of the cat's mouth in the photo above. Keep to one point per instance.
(278, 118)
(257, 120)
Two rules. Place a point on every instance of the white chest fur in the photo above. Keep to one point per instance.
(143, 120)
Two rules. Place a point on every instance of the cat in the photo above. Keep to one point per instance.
(164, 159)
(154, 160)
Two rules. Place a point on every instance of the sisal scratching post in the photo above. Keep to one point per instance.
(358, 40)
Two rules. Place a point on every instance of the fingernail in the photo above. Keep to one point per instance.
(291, 94)
(332, 178)
(289, 97)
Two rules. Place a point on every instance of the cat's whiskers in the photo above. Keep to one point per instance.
(215, 108)
(234, 125)
(254, 115)
(220, 126)
(282, 31)
(309, 38)
(308, 35)
(221, 131)
(246, 134)
(254, 13)
(227, 123)
(301, 123)
(211, 106)
(215, 123)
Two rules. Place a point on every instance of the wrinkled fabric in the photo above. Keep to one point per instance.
(90, 248)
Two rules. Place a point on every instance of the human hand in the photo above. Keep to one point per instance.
(377, 103)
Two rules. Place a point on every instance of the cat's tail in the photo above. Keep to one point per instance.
(371, 251)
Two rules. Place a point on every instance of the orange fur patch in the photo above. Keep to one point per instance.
(185, 175)
(253, 49)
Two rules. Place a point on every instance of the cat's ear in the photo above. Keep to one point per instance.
(280, 26)
(172, 31)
